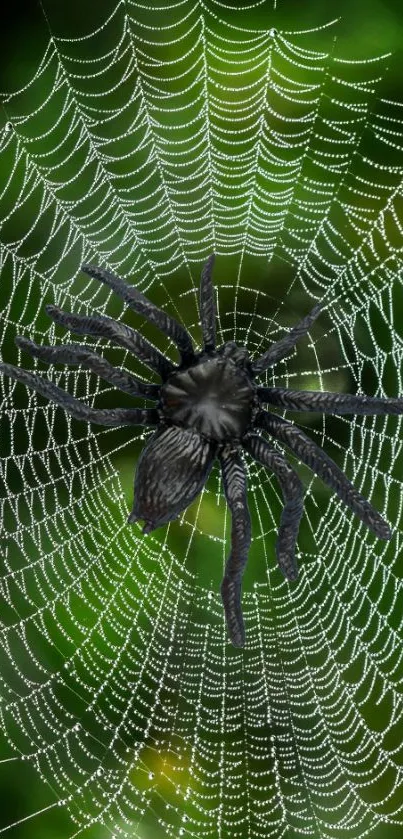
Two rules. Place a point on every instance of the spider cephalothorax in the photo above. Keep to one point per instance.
(208, 407)
(214, 397)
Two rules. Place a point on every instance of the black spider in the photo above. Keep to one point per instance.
(207, 407)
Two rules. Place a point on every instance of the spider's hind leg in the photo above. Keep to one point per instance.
(234, 480)
(292, 489)
(81, 354)
(323, 466)
(79, 410)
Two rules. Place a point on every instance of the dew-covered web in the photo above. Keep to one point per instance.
(165, 135)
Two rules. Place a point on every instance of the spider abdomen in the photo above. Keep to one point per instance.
(214, 397)
(171, 471)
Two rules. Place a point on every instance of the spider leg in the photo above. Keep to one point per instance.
(207, 305)
(291, 487)
(140, 304)
(77, 409)
(124, 336)
(280, 349)
(80, 354)
(234, 480)
(326, 468)
(326, 402)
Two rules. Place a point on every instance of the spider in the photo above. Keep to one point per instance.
(208, 406)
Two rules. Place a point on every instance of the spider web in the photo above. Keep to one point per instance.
(166, 134)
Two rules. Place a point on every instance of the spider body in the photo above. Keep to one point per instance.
(215, 397)
(208, 407)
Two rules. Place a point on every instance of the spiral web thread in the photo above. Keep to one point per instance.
(165, 135)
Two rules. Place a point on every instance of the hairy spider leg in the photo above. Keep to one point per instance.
(280, 349)
(80, 354)
(77, 409)
(325, 468)
(292, 489)
(326, 402)
(234, 481)
(207, 305)
(120, 333)
(139, 303)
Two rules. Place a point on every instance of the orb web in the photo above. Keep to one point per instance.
(163, 136)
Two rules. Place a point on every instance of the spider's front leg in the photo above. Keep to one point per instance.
(171, 471)
(280, 349)
(234, 480)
